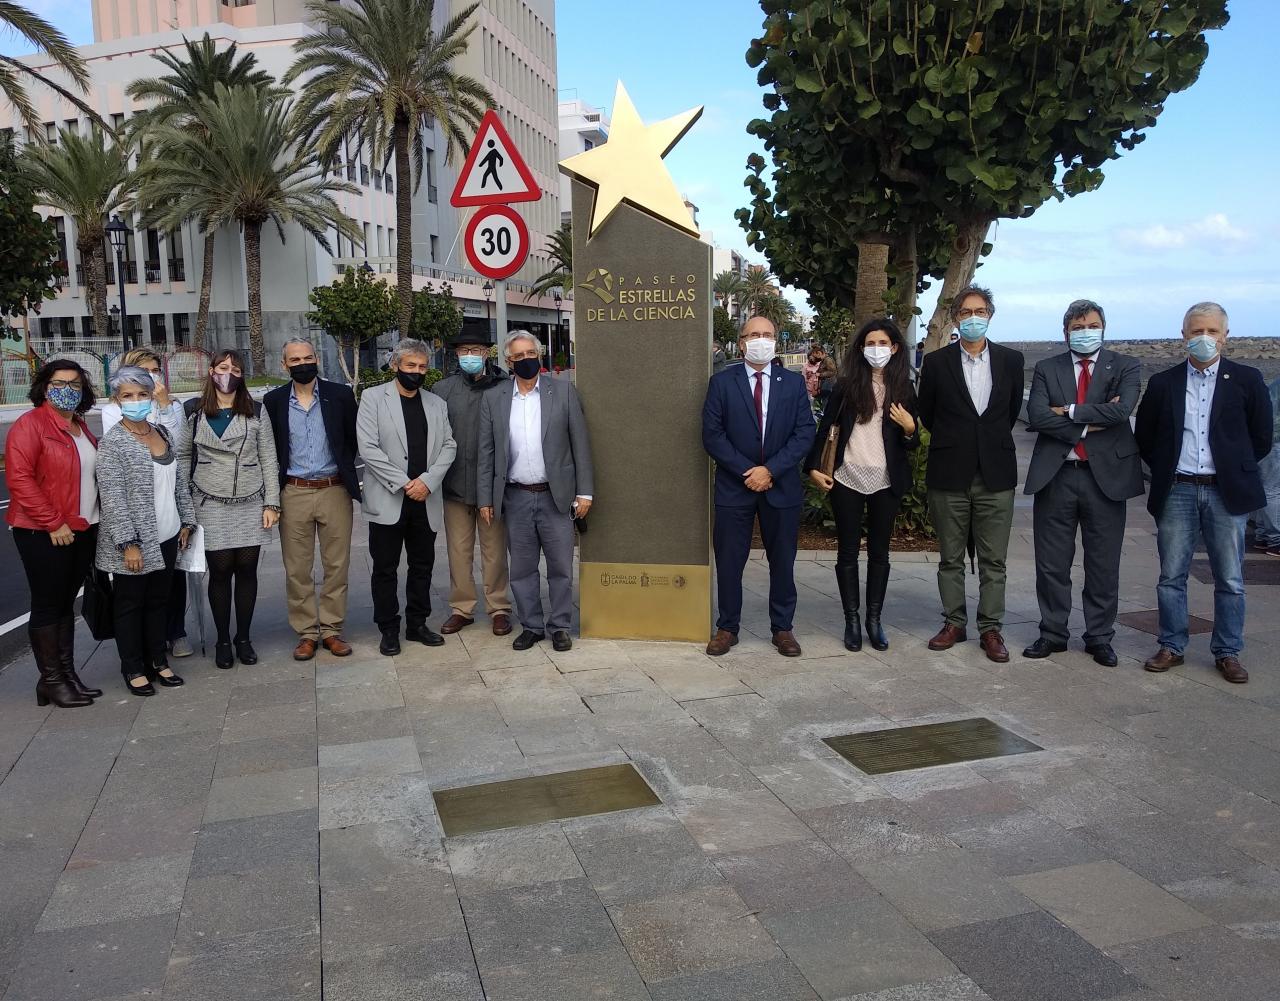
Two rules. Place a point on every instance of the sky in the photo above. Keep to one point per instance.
(1192, 213)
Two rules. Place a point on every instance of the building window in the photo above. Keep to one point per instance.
(390, 184)
(72, 125)
(431, 176)
(46, 328)
(351, 170)
(152, 263)
(158, 334)
(364, 175)
(380, 245)
(365, 226)
(435, 250)
(117, 120)
(377, 180)
(86, 324)
(177, 266)
(181, 328)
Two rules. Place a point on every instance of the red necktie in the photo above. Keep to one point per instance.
(1082, 390)
(760, 410)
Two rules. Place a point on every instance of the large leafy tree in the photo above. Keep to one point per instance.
(87, 178)
(917, 123)
(356, 308)
(377, 73)
(437, 315)
(15, 74)
(560, 251)
(172, 99)
(241, 166)
(28, 243)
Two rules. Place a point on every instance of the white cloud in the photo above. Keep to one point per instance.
(1215, 231)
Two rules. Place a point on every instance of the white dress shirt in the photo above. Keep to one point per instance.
(1075, 367)
(764, 393)
(1196, 458)
(977, 376)
(525, 435)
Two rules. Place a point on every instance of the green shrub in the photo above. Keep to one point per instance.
(377, 376)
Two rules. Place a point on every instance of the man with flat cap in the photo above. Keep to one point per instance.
(463, 392)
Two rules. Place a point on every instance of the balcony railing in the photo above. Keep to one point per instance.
(177, 271)
(130, 273)
(152, 269)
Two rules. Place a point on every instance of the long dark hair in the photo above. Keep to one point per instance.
(40, 384)
(243, 403)
(855, 373)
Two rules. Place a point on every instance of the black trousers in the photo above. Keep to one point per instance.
(848, 506)
(141, 609)
(55, 574)
(413, 534)
(177, 613)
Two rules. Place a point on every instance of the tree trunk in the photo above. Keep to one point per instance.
(97, 282)
(872, 282)
(404, 224)
(253, 276)
(960, 269)
(206, 290)
(906, 269)
(348, 371)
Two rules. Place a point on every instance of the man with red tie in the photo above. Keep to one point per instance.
(757, 424)
(1083, 471)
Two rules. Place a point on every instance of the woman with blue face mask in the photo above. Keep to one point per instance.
(147, 515)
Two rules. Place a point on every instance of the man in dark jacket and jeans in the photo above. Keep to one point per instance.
(463, 392)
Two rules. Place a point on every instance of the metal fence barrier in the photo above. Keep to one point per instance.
(184, 368)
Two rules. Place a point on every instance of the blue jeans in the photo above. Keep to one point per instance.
(1191, 511)
(1266, 520)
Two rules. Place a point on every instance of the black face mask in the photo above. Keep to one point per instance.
(305, 373)
(527, 368)
(411, 381)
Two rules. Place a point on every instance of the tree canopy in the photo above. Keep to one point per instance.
(28, 243)
(357, 307)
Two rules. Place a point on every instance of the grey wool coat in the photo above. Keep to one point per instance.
(384, 447)
(239, 466)
(127, 497)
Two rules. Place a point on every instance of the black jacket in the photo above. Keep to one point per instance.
(1240, 429)
(896, 444)
(962, 442)
(338, 405)
(463, 395)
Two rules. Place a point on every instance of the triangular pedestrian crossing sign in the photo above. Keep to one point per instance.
(494, 173)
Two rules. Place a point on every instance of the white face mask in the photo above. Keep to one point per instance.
(878, 355)
(760, 350)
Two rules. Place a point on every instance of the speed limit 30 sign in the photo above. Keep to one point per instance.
(497, 242)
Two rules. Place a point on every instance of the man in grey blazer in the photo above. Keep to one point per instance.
(1083, 471)
(407, 447)
(535, 474)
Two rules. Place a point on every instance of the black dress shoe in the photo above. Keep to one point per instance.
(424, 634)
(560, 641)
(1042, 648)
(1103, 654)
(245, 652)
(390, 645)
(223, 657)
(172, 681)
(141, 690)
(527, 639)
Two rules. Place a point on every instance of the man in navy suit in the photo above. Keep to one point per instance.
(1202, 427)
(757, 423)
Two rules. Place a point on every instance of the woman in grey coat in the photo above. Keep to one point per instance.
(147, 516)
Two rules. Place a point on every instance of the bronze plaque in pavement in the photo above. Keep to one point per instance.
(1148, 621)
(906, 747)
(539, 798)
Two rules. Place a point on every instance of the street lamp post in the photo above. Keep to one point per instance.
(487, 289)
(558, 297)
(118, 233)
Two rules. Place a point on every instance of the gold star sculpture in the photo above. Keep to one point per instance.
(629, 167)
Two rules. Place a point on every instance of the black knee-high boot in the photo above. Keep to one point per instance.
(847, 578)
(877, 585)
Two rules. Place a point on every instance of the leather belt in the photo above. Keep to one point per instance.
(1078, 463)
(533, 488)
(1201, 481)
(328, 481)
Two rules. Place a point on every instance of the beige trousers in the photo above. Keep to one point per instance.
(461, 525)
(306, 513)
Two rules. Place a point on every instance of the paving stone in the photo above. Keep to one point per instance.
(519, 856)
(602, 975)
(817, 783)
(220, 908)
(392, 756)
(1205, 963)
(274, 721)
(874, 829)
(1024, 842)
(250, 843)
(122, 832)
(368, 724)
(369, 852)
(1247, 897)
(350, 671)
(677, 773)
(957, 988)
(295, 691)
(373, 799)
(27, 879)
(856, 947)
(400, 910)
(657, 861)
(772, 980)
(645, 705)
(1163, 849)
(733, 822)
(529, 923)
(436, 970)
(1070, 795)
(116, 891)
(793, 876)
(359, 697)
(260, 966)
(259, 795)
(268, 754)
(1033, 956)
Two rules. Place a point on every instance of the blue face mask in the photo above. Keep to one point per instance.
(136, 410)
(1085, 342)
(1203, 348)
(64, 397)
(471, 364)
(973, 328)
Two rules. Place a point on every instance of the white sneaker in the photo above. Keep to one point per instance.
(180, 647)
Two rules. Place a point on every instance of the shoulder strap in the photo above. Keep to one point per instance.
(190, 406)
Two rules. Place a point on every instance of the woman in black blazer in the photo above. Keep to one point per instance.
(872, 414)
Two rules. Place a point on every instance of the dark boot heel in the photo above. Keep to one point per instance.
(847, 579)
(42, 700)
(54, 686)
(877, 585)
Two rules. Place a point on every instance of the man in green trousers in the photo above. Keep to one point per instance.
(970, 396)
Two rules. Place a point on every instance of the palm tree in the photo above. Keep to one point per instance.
(773, 307)
(378, 73)
(728, 286)
(756, 286)
(173, 101)
(241, 165)
(14, 74)
(560, 250)
(88, 179)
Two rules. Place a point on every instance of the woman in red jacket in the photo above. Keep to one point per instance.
(50, 457)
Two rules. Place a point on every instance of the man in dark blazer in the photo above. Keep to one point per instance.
(1083, 471)
(757, 424)
(970, 397)
(314, 422)
(1202, 428)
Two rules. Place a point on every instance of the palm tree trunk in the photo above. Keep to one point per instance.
(206, 290)
(872, 282)
(960, 269)
(404, 224)
(253, 276)
(906, 271)
(97, 275)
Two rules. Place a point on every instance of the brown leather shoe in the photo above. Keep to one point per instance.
(1229, 668)
(1162, 661)
(721, 642)
(786, 644)
(454, 623)
(501, 624)
(947, 637)
(305, 650)
(993, 646)
(337, 646)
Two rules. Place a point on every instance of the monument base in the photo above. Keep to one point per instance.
(651, 601)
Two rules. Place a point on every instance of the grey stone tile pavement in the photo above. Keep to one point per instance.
(270, 832)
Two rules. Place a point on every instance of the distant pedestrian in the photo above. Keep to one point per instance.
(1266, 520)
(1203, 426)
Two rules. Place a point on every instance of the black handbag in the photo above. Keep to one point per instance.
(98, 607)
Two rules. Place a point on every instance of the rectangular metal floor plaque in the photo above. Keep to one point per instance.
(539, 798)
(1148, 621)
(903, 748)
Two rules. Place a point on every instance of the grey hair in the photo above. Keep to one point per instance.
(408, 346)
(520, 335)
(131, 375)
(967, 291)
(284, 351)
(1205, 309)
(1081, 308)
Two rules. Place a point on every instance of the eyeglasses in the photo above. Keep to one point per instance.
(64, 384)
(982, 312)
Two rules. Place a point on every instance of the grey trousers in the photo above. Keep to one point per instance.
(1070, 500)
(990, 514)
(536, 527)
